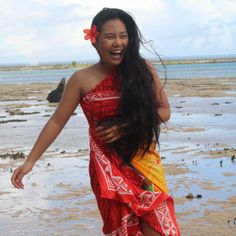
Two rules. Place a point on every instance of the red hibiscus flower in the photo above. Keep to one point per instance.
(91, 34)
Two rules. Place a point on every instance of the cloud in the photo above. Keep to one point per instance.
(198, 27)
(42, 30)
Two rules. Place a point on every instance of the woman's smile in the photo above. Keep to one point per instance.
(117, 54)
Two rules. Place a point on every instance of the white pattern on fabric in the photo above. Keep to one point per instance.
(147, 198)
(127, 221)
(102, 96)
(114, 183)
(163, 214)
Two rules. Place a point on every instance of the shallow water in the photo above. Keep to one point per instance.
(179, 71)
(74, 136)
(53, 193)
(58, 196)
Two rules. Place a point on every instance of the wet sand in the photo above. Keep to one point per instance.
(203, 87)
(197, 150)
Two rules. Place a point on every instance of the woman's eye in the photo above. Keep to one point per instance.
(109, 37)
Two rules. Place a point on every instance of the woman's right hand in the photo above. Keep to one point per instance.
(19, 173)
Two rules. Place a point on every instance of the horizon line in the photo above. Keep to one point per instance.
(90, 61)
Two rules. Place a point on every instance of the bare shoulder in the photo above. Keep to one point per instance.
(150, 65)
(82, 78)
(153, 70)
(82, 74)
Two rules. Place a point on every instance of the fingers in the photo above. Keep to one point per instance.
(110, 138)
(108, 135)
(19, 173)
(16, 178)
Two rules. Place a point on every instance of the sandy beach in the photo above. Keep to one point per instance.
(198, 152)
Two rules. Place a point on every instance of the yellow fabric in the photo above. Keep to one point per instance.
(151, 168)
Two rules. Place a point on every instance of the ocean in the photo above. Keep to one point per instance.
(179, 71)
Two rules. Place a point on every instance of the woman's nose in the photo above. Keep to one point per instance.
(117, 41)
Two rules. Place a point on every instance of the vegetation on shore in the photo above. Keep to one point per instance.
(13, 155)
(77, 65)
(196, 61)
(42, 67)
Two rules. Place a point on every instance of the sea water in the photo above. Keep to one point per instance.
(178, 71)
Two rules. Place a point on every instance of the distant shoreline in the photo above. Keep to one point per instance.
(195, 61)
(80, 65)
(44, 67)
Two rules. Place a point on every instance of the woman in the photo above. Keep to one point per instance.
(124, 104)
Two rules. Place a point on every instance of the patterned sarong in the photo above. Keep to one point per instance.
(118, 187)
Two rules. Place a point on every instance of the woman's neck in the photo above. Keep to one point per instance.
(106, 69)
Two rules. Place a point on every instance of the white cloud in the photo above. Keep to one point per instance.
(198, 27)
(42, 30)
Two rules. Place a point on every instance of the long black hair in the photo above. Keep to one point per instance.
(138, 105)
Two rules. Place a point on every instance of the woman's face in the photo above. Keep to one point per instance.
(112, 42)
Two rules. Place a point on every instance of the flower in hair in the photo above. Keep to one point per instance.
(91, 34)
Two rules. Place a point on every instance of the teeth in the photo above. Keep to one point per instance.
(116, 51)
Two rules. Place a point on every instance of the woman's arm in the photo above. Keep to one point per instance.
(68, 103)
(161, 95)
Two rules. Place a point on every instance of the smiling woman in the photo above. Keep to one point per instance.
(125, 104)
(113, 42)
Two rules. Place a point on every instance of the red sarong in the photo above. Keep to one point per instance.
(118, 187)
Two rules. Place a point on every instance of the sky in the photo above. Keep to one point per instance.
(34, 31)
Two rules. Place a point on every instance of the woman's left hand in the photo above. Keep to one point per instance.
(108, 134)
